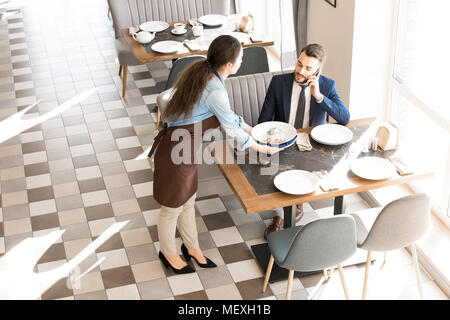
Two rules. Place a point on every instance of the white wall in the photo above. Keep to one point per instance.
(333, 28)
(372, 58)
(357, 36)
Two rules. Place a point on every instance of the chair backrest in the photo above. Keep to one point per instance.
(178, 66)
(246, 94)
(127, 13)
(399, 224)
(254, 60)
(320, 244)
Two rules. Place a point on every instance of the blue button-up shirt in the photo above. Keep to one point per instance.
(214, 102)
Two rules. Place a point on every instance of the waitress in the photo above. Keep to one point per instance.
(199, 99)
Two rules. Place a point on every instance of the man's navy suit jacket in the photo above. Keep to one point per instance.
(277, 104)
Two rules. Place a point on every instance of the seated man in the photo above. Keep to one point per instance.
(303, 98)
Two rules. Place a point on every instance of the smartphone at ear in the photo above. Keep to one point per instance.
(317, 72)
(314, 75)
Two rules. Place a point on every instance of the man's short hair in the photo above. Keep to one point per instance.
(315, 51)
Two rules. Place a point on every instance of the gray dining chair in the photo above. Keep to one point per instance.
(254, 60)
(400, 223)
(127, 13)
(177, 68)
(318, 245)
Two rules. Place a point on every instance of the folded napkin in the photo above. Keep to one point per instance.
(255, 37)
(326, 182)
(194, 22)
(192, 45)
(303, 142)
(402, 166)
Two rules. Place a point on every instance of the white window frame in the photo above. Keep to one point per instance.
(443, 211)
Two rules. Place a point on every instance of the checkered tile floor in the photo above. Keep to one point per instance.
(68, 181)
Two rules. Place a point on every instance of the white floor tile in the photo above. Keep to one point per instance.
(210, 206)
(113, 259)
(245, 270)
(229, 292)
(95, 198)
(129, 292)
(185, 283)
(226, 236)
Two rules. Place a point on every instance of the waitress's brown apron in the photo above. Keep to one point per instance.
(174, 184)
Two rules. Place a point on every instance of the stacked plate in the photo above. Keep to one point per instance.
(289, 134)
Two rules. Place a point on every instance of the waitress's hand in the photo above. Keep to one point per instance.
(247, 128)
(266, 149)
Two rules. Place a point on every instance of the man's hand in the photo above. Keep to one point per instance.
(313, 83)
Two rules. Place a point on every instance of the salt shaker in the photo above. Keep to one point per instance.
(366, 146)
(374, 143)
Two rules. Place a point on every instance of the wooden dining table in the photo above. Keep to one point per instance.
(256, 192)
(145, 54)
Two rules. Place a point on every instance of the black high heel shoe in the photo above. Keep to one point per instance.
(186, 269)
(187, 256)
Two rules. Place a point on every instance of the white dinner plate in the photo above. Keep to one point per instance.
(154, 26)
(259, 133)
(332, 134)
(373, 168)
(169, 46)
(296, 182)
(212, 20)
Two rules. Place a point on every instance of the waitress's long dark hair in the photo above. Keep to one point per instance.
(192, 81)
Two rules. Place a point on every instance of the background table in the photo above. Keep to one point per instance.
(257, 193)
(145, 54)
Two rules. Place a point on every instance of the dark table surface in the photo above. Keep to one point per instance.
(167, 35)
(321, 157)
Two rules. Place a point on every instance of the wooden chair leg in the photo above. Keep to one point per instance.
(325, 274)
(330, 272)
(268, 272)
(366, 276)
(125, 69)
(120, 70)
(289, 286)
(416, 267)
(341, 273)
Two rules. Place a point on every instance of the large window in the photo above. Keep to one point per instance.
(274, 18)
(420, 105)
